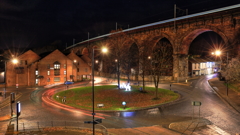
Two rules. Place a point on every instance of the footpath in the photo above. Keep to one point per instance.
(229, 96)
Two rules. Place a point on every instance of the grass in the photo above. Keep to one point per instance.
(234, 86)
(112, 98)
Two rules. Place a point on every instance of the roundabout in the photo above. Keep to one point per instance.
(110, 98)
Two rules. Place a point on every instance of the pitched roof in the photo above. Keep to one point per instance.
(199, 60)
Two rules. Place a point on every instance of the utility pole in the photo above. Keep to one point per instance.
(227, 73)
(175, 8)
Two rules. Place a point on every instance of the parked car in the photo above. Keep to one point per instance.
(221, 78)
(68, 82)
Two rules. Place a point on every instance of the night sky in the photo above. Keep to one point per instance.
(34, 23)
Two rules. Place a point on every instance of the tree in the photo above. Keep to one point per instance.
(144, 61)
(161, 62)
(117, 43)
(232, 72)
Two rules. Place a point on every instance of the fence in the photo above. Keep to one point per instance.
(27, 127)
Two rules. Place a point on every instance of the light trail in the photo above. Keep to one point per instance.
(47, 98)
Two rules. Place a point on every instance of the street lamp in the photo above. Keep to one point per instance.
(15, 61)
(118, 73)
(5, 80)
(104, 50)
(218, 53)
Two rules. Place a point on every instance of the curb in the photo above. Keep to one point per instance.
(223, 99)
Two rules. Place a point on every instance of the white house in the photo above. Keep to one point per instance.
(201, 66)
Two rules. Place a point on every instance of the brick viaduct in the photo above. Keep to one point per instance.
(180, 32)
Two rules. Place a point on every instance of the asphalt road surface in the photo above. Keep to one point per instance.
(35, 112)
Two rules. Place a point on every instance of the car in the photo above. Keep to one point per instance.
(68, 82)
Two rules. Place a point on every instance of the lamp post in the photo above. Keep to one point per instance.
(93, 110)
(227, 72)
(15, 61)
(5, 80)
(218, 53)
(118, 73)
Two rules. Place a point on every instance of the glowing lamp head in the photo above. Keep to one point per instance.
(124, 103)
(14, 61)
(104, 50)
(218, 52)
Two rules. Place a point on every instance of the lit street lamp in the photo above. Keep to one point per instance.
(93, 110)
(118, 73)
(15, 61)
(218, 53)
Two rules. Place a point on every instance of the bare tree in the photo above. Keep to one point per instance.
(117, 42)
(161, 62)
(144, 62)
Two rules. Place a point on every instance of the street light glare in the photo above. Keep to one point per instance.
(15, 61)
(218, 52)
(104, 50)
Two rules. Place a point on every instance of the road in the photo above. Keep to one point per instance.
(223, 118)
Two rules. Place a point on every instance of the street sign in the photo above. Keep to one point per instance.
(196, 103)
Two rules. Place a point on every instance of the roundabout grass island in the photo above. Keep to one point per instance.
(110, 98)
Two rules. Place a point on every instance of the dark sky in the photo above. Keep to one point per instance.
(32, 23)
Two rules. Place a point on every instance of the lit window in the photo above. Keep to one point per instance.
(56, 66)
(48, 72)
(64, 72)
(36, 72)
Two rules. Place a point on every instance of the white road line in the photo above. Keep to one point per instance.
(217, 129)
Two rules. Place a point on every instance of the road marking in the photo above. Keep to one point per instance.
(217, 129)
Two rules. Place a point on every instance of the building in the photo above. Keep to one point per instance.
(46, 69)
(201, 66)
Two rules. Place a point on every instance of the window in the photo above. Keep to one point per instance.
(64, 66)
(77, 69)
(64, 72)
(56, 72)
(36, 72)
(56, 79)
(48, 72)
(65, 79)
(48, 66)
(48, 79)
(56, 68)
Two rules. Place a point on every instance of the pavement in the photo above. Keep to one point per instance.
(229, 96)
